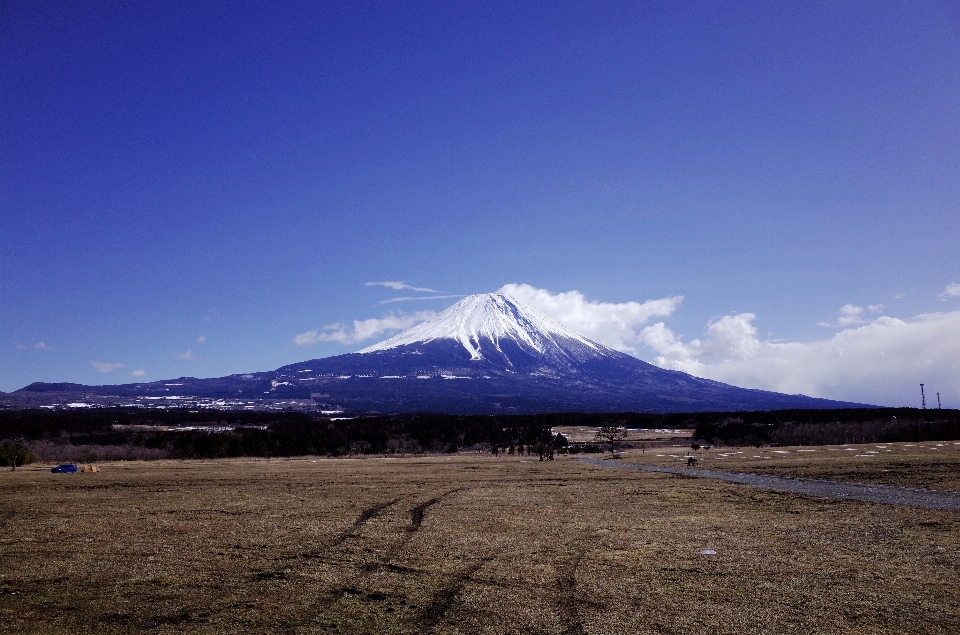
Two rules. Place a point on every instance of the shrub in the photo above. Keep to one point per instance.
(14, 453)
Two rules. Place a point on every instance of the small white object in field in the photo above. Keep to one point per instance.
(708, 552)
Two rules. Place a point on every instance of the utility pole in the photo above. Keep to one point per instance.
(939, 407)
(923, 399)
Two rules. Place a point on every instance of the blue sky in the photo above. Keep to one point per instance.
(220, 178)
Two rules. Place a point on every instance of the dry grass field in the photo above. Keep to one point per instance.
(459, 545)
(927, 464)
(588, 434)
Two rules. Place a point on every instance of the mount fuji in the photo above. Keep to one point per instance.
(487, 354)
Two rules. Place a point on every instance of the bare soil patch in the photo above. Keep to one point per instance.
(506, 545)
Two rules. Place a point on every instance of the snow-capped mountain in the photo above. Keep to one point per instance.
(481, 322)
(488, 353)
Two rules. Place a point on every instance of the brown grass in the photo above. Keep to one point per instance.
(927, 464)
(458, 545)
(588, 434)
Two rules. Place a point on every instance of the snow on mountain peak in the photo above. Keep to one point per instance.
(486, 319)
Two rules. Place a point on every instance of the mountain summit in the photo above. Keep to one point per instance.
(481, 322)
(488, 353)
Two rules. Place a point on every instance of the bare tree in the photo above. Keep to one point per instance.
(547, 444)
(613, 435)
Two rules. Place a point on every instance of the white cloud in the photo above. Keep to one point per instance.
(850, 315)
(952, 291)
(881, 362)
(399, 285)
(201, 339)
(673, 353)
(39, 346)
(138, 373)
(876, 308)
(733, 335)
(106, 367)
(361, 329)
(188, 354)
(729, 336)
(213, 315)
(611, 324)
(423, 297)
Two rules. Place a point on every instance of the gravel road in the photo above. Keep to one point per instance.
(889, 494)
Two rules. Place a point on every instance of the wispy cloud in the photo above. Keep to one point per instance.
(213, 315)
(106, 367)
(361, 330)
(952, 291)
(39, 346)
(399, 285)
(201, 339)
(422, 297)
(188, 354)
(849, 315)
(138, 373)
(612, 324)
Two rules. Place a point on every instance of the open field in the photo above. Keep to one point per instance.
(459, 545)
(927, 465)
(588, 434)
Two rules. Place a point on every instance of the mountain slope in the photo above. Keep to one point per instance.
(487, 353)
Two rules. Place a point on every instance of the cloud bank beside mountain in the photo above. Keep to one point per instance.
(616, 325)
(880, 361)
(871, 358)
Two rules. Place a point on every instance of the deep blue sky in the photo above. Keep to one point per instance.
(238, 171)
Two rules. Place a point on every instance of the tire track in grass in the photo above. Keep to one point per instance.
(416, 514)
(566, 598)
(355, 586)
(365, 516)
(430, 615)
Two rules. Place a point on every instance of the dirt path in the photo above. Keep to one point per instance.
(888, 494)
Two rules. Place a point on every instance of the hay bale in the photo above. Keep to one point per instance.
(91, 468)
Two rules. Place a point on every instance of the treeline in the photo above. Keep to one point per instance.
(886, 425)
(39, 424)
(116, 433)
